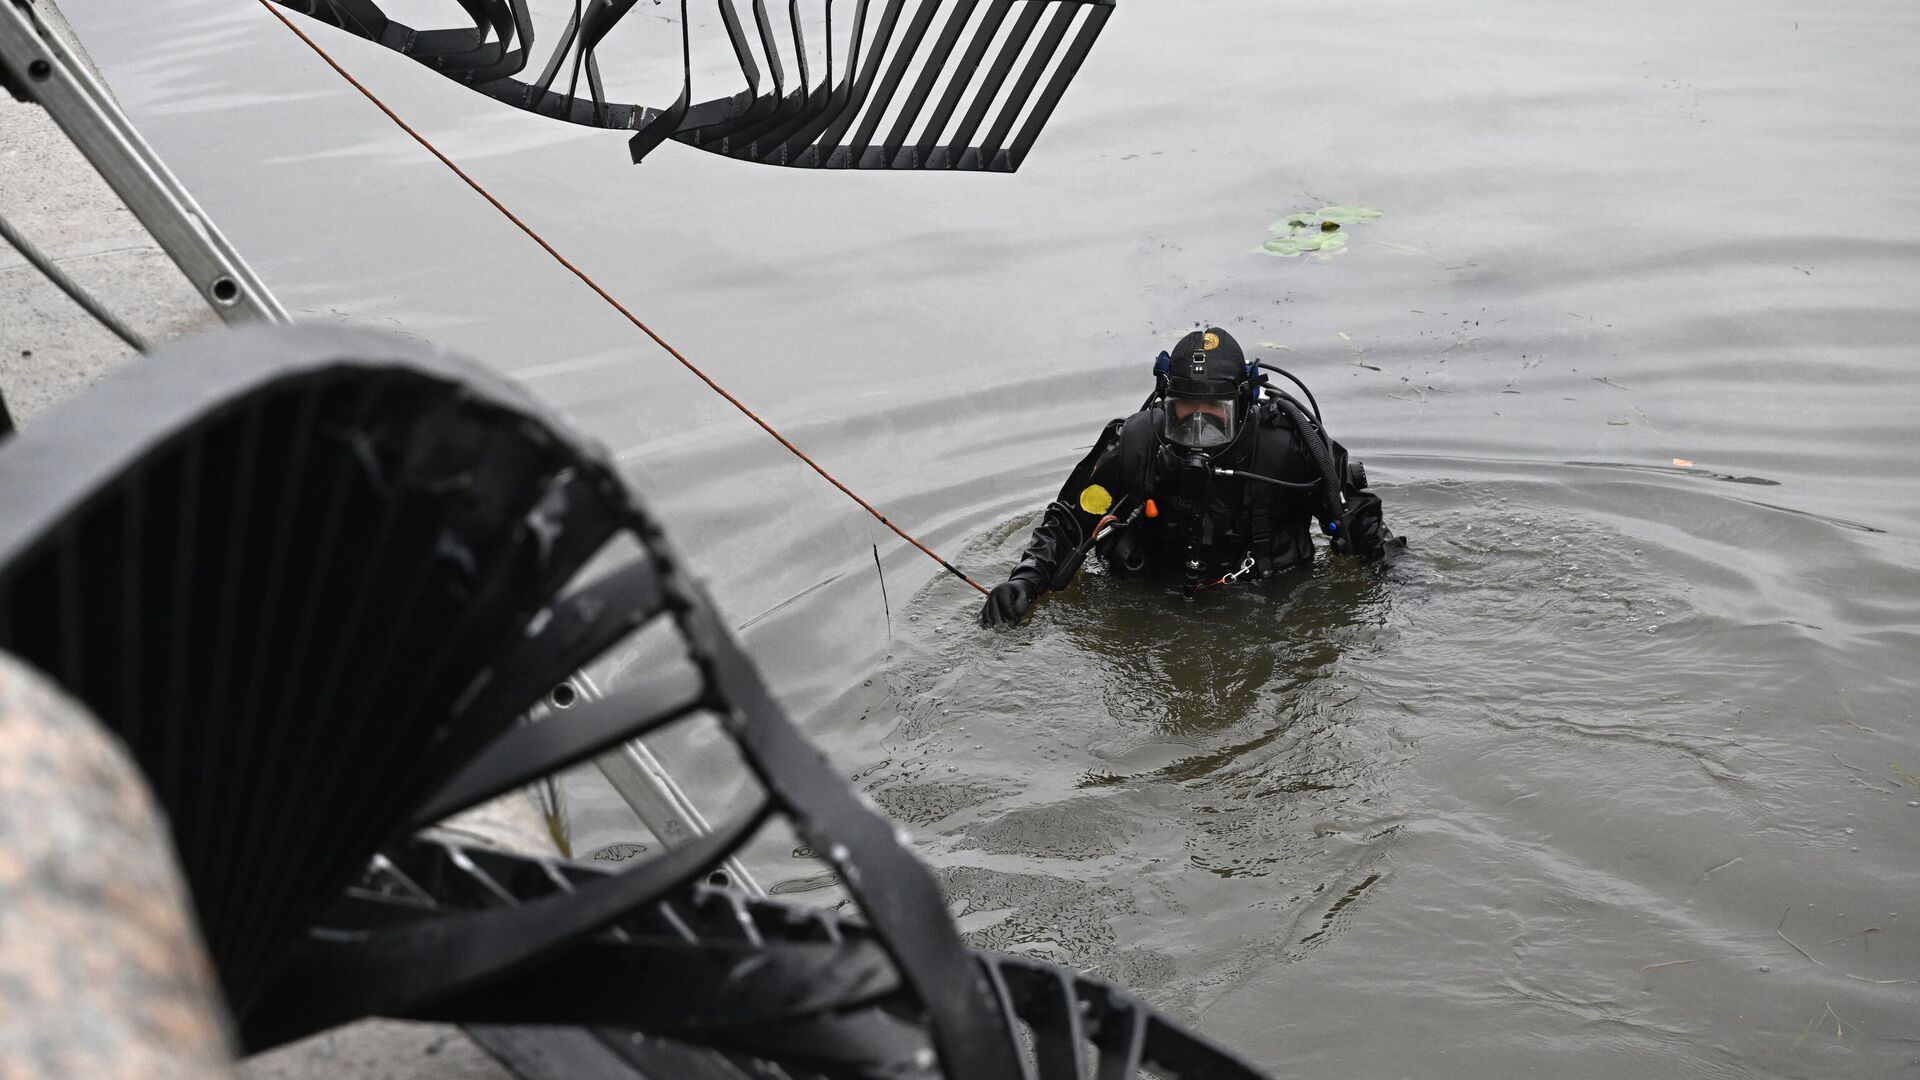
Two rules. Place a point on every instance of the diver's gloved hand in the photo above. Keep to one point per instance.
(1009, 601)
(1362, 533)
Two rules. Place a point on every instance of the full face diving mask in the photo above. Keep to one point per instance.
(1202, 425)
(1202, 413)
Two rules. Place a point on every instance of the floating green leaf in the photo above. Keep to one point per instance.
(1347, 215)
(1315, 233)
(1303, 243)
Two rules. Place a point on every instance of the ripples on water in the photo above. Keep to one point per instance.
(1563, 738)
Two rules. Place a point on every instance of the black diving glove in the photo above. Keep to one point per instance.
(1009, 602)
(1362, 533)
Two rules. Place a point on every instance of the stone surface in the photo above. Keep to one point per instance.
(379, 1050)
(102, 972)
(49, 347)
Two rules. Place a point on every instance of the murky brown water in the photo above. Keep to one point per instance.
(1547, 798)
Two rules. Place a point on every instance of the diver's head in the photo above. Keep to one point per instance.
(1207, 393)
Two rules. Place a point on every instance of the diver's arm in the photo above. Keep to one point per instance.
(1361, 531)
(1058, 543)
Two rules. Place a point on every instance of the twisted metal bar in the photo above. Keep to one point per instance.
(823, 123)
(820, 995)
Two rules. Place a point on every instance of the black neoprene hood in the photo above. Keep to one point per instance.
(1206, 363)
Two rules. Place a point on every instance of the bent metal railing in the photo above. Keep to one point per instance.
(312, 577)
(899, 84)
(753, 978)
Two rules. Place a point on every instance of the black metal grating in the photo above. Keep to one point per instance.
(279, 608)
(760, 981)
(905, 84)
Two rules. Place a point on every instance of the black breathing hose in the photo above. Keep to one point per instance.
(1244, 475)
(1296, 381)
(1336, 499)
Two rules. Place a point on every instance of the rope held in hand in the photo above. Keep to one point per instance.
(608, 297)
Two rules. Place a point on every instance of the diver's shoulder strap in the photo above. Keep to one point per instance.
(1138, 444)
(1270, 447)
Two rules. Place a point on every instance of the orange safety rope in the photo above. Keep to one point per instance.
(608, 297)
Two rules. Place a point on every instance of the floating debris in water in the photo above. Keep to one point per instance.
(1317, 233)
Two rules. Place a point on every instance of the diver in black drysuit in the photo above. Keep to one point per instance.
(1175, 491)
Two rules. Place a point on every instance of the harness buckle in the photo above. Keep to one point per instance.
(1246, 567)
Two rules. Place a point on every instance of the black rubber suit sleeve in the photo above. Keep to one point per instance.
(1053, 553)
(1350, 514)
(1362, 532)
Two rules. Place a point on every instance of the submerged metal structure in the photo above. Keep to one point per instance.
(889, 84)
(315, 579)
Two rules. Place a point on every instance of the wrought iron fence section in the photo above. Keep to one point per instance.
(905, 84)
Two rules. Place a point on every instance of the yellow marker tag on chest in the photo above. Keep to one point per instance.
(1096, 499)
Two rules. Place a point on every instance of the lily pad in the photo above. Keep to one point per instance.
(1317, 232)
(1347, 215)
(1293, 244)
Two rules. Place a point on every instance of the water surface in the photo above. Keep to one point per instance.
(1553, 795)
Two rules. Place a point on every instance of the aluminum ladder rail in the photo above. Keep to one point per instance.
(40, 66)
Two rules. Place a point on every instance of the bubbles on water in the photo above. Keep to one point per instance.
(1074, 830)
(1065, 921)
